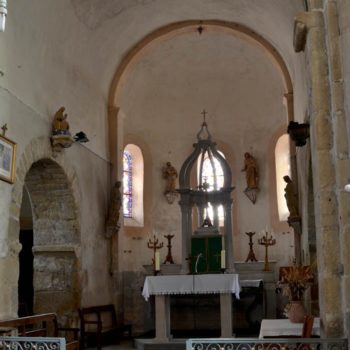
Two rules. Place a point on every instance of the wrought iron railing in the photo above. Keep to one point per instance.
(266, 344)
(32, 343)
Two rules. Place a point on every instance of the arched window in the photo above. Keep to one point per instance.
(282, 161)
(133, 173)
(127, 184)
(213, 175)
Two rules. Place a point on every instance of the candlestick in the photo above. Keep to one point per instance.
(155, 245)
(266, 241)
(251, 255)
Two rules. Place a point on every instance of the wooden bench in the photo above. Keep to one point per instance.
(99, 324)
(43, 325)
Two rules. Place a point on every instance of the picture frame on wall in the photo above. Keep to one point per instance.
(7, 159)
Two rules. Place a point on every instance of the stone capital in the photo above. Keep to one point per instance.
(302, 23)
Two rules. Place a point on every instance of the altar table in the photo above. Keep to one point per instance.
(164, 286)
(283, 327)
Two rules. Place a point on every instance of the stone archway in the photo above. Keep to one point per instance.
(52, 187)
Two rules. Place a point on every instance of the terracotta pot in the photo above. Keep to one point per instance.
(296, 312)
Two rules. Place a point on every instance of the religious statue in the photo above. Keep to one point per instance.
(61, 137)
(60, 124)
(291, 197)
(251, 170)
(114, 207)
(170, 175)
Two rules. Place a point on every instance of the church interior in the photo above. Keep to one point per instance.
(154, 141)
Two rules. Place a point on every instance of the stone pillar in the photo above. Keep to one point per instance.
(226, 315)
(324, 178)
(162, 309)
(341, 153)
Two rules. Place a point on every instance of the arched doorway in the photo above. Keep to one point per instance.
(54, 242)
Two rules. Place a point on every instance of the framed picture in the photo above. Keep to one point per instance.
(7, 159)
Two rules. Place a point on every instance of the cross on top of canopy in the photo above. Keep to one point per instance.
(205, 149)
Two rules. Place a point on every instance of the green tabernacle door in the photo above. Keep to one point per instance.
(206, 254)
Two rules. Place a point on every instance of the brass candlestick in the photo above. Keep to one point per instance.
(267, 241)
(251, 255)
(155, 245)
(169, 257)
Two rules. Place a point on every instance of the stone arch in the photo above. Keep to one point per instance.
(52, 185)
(172, 30)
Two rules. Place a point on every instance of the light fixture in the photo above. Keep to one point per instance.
(80, 137)
(347, 187)
(3, 14)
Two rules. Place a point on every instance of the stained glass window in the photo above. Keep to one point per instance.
(127, 184)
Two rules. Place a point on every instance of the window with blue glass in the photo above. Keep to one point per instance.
(127, 184)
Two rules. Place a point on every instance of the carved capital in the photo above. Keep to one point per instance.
(302, 23)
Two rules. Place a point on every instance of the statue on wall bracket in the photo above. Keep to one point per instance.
(60, 137)
(170, 175)
(252, 177)
(292, 202)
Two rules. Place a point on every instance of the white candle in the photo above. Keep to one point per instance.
(223, 259)
(157, 261)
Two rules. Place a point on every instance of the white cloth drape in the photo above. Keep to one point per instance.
(191, 284)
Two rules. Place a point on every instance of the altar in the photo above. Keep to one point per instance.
(162, 287)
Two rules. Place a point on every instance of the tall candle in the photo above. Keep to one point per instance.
(157, 261)
(223, 259)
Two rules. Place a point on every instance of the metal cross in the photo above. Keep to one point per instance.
(204, 113)
(4, 129)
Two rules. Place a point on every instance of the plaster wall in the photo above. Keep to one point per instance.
(57, 53)
(88, 175)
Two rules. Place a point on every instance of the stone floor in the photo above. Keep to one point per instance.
(124, 345)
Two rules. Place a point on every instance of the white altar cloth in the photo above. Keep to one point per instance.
(191, 284)
(283, 327)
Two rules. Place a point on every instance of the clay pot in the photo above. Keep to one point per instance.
(296, 312)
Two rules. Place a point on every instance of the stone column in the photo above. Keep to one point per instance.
(162, 310)
(324, 178)
(341, 151)
(226, 315)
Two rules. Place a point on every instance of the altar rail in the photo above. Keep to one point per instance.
(266, 344)
(32, 343)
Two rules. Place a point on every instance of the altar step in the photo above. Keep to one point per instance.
(151, 344)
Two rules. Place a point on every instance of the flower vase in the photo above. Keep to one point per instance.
(296, 312)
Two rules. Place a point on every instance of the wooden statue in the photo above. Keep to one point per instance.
(251, 171)
(291, 197)
(60, 124)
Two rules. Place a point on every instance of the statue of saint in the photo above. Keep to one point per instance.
(114, 205)
(291, 197)
(60, 125)
(170, 175)
(251, 171)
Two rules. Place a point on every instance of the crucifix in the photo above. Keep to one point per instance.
(4, 129)
(169, 257)
(204, 113)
